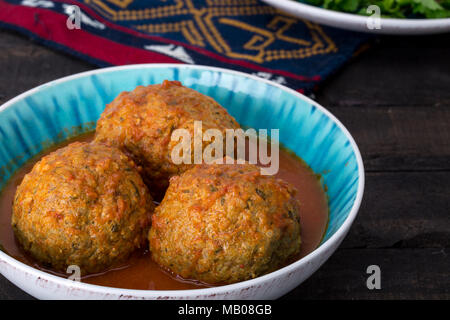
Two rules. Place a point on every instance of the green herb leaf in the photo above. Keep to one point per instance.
(428, 9)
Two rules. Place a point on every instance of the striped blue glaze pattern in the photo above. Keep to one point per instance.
(56, 110)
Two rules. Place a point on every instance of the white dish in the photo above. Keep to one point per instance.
(360, 23)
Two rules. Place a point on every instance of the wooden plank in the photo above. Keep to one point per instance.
(403, 210)
(405, 274)
(393, 139)
(397, 71)
(395, 100)
(26, 65)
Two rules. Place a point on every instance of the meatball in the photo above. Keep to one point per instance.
(84, 204)
(141, 123)
(225, 223)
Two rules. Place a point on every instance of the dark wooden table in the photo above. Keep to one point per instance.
(395, 100)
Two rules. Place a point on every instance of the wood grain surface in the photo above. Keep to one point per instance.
(395, 100)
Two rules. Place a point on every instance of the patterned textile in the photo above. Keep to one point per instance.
(244, 35)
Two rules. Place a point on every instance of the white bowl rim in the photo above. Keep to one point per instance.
(353, 21)
(338, 235)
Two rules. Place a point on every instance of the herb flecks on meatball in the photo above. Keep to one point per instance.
(225, 223)
(141, 123)
(84, 204)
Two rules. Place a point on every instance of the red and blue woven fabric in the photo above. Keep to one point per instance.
(244, 35)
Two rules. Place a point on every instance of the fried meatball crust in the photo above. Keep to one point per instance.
(84, 204)
(141, 123)
(225, 223)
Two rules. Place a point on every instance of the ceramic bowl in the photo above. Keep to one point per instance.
(354, 22)
(59, 109)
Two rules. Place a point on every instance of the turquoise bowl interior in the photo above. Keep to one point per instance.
(60, 109)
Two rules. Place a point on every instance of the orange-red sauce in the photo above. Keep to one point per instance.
(140, 272)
